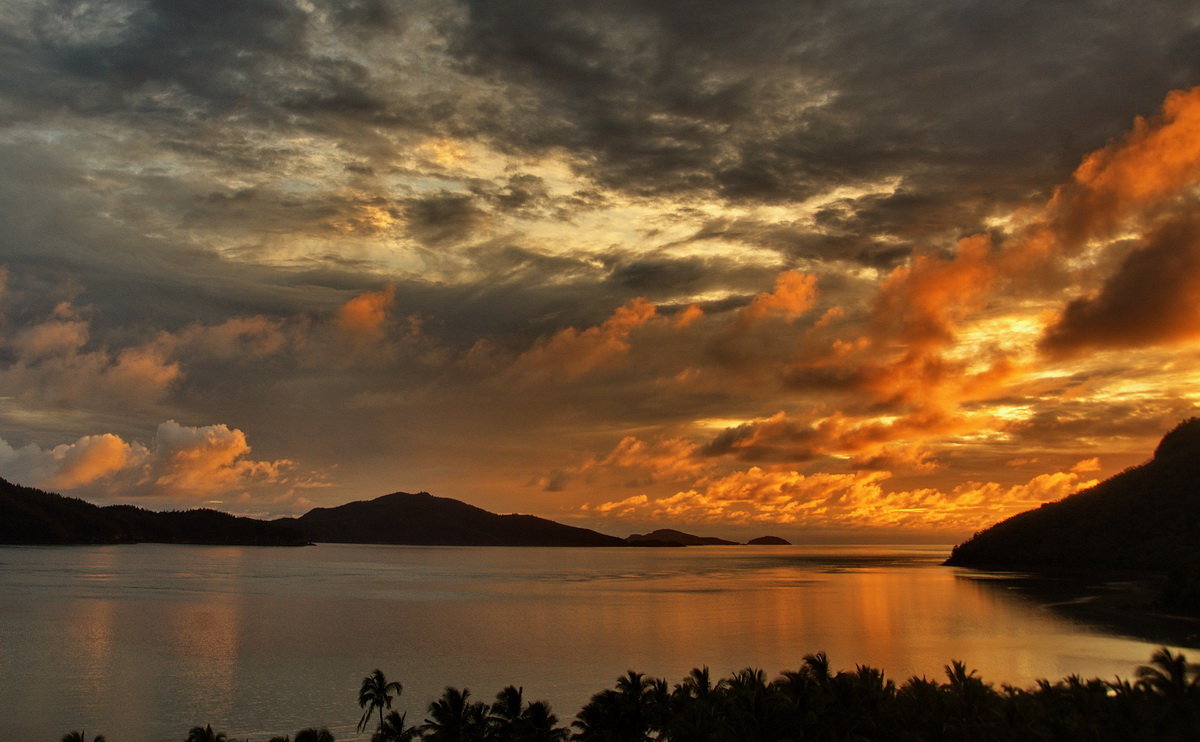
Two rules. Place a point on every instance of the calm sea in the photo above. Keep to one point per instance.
(143, 642)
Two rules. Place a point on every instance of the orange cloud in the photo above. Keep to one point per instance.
(922, 303)
(783, 437)
(689, 317)
(64, 334)
(793, 295)
(1151, 299)
(364, 315)
(1153, 162)
(921, 308)
(573, 352)
(673, 458)
(857, 499)
(208, 459)
(238, 337)
(89, 459)
(183, 463)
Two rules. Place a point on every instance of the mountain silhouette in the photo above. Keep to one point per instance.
(670, 537)
(1145, 518)
(422, 519)
(768, 541)
(31, 516)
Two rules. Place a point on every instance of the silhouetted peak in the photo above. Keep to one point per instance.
(1184, 438)
(403, 496)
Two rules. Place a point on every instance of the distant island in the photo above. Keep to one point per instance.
(1145, 518)
(768, 541)
(31, 516)
(422, 519)
(672, 537)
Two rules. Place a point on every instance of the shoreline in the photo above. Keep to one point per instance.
(1123, 603)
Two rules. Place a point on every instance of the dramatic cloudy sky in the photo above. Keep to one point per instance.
(824, 269)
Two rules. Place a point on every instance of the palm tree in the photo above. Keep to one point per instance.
(376, 694)
(314, 735)
(505, 712)
(1167, 674)
(205, 734)
(698, 684)
(455, 719)
(81, 737)
(539, 724)
(817, 666)
(394, 729)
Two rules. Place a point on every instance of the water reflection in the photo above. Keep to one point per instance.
(266, 641)
(1121, 607)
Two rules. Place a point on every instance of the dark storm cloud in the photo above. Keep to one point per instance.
(444, 218)
(1151, 299)
(770, 101)
(224, 53)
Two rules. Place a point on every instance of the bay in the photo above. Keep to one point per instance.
(142, 642)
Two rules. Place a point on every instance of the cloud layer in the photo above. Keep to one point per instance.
(828, 265)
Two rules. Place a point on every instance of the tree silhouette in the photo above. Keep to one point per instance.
(394, 729)
(455, 719)
(506, 713)
(539, 724)
(1167, 674)
(80, 736)
(376, 695)
(206, 734)
(314, 735)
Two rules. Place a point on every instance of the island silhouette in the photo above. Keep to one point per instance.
(32, 516)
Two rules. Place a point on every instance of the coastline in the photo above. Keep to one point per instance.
(1123, 603)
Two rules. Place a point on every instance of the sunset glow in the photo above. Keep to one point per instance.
(829, 272)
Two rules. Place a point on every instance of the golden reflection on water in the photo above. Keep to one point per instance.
(152, 640)
(206, 636)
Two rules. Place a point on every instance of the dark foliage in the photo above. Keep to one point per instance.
(811, 703)
(30, 516)
(669, 536)
(1145, 518)
(815, 703)
(768, 541)
(403, 518)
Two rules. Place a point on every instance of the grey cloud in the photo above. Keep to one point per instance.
(701, 97)
(444, 218)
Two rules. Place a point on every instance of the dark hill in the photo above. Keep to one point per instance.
(768, 541)
(669, 536)
(1145, 518)
(422, 519)
(30, 516)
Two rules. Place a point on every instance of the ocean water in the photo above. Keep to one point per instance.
(143, 642)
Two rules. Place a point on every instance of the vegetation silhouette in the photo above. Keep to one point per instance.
(394, 728)
(376, 695)
(1141, 519)
(311, 734)
(206, 734)
(814, 702)
(455, 718)
(421, 518)
(80, 736)
(31, 516)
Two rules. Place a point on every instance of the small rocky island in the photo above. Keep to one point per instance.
(671, 537)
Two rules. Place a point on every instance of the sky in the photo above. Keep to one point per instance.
(873, 271)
